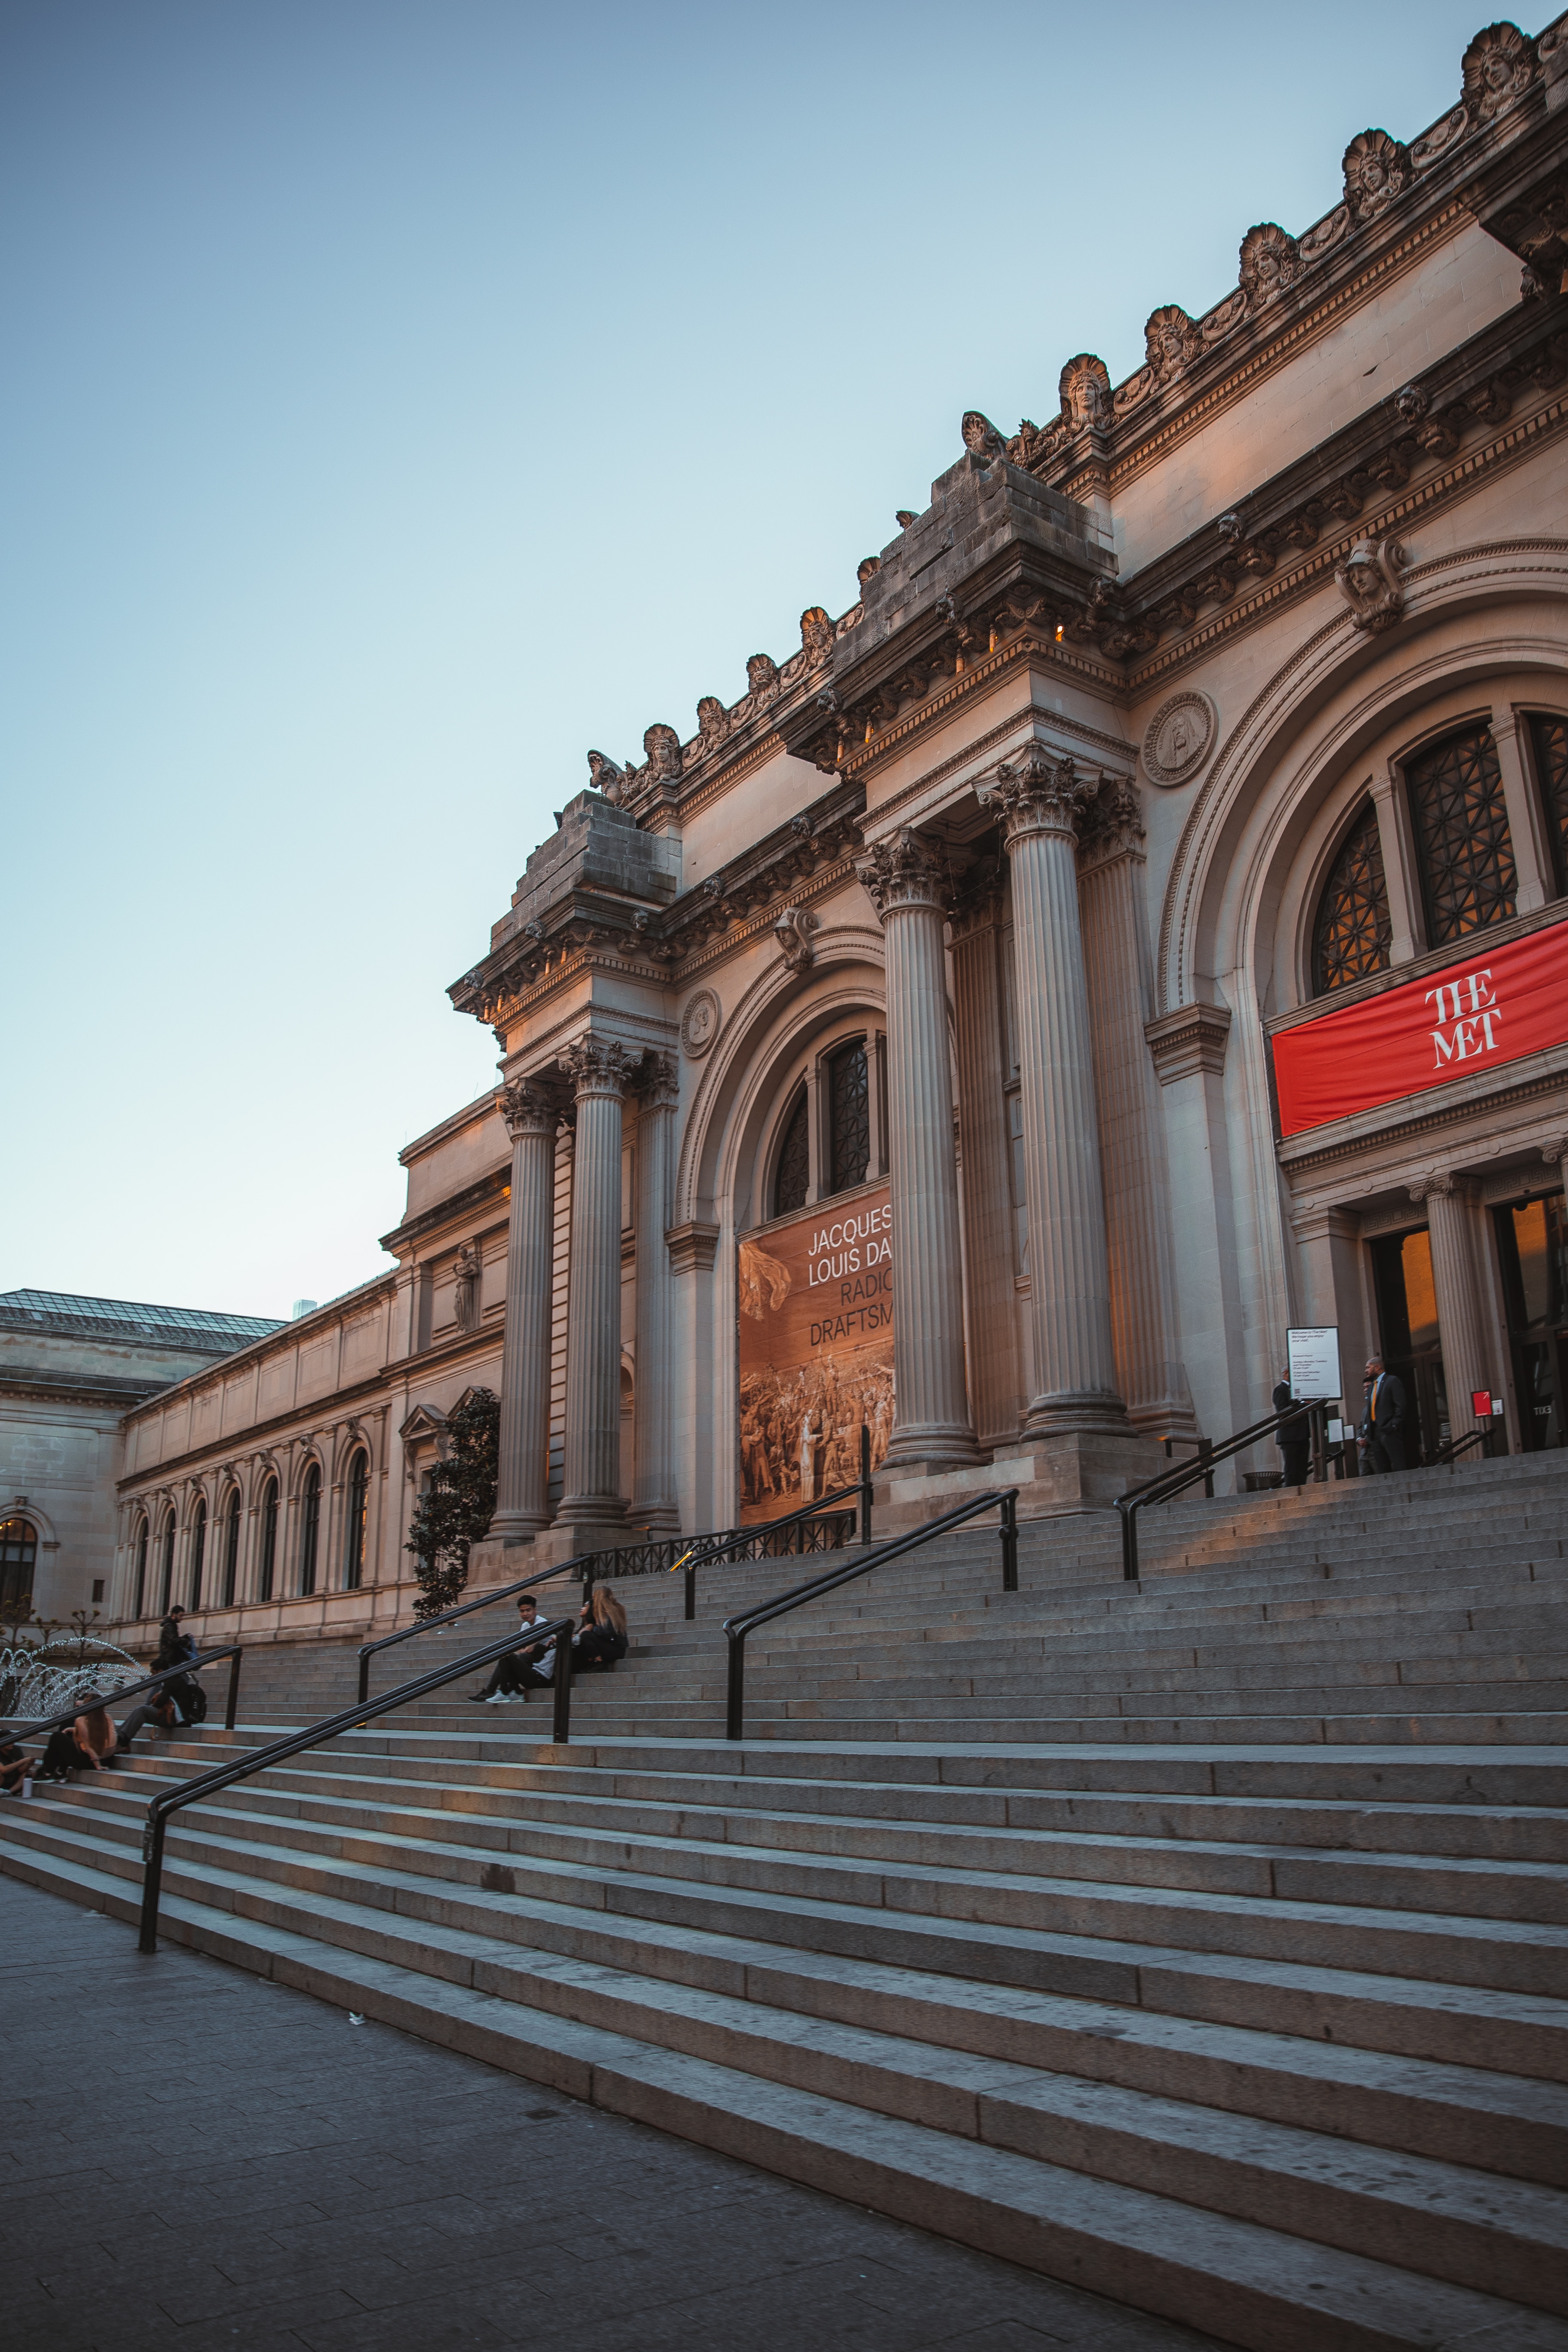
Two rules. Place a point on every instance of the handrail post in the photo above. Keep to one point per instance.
(1129, 1515)
(231, 1711)
(152, 1880)
(690, 1580)
(735, 1686)
(363, 1691)
(865, 1482)
(561, 1729)
(1318, 1419)
(1205, 1454)
(1009, 1543)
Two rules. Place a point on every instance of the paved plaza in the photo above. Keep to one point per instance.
(196, 2157)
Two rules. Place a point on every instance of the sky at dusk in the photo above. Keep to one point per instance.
(401, 398)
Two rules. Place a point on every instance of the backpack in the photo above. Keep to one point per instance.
(195, 1700)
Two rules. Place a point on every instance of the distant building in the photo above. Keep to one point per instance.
(69, 1369)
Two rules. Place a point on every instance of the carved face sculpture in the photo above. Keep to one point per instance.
(1499, 66)
(713, 721)
(1377, 169)
(661, 746)
(763, 676)
(1170, 339)
(816, 634)
(1085, 390)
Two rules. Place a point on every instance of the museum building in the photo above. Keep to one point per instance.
(1137, 925)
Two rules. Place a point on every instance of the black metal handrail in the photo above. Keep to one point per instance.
(466, 1609)
(1452, 1447)
(737, 1628)
(1181, 1474)
(294, 1743)
(153, 1682)
(764, 1541)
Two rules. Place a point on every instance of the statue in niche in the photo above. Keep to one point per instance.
(465, 1287)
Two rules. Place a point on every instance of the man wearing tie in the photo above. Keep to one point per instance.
(1384, 1428)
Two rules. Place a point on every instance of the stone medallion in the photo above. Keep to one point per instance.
(699, 1023)
(1179, 737)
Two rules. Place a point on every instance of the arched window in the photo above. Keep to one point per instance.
(1350, 938)
(353, 1537)
(793, 1180)
(1549, 740)
(231, 1549)
(18, 1557)
(1464, 850)
(310, 1532)
(143, 1536)
(269, 1542)
(166, 1574)
(849, 1118)
(198, 1553)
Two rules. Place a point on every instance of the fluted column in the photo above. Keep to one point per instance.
(931, 1427)
(988, 1224)
(1038, 799)
(598, 1073)
(654, 1502)
(1462, 1331)
(521, 1482)
(1118, 967)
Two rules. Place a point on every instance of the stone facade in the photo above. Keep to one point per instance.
(998, 890)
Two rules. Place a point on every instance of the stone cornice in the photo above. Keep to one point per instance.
(1189, 1039)
(477, 1195)
(82, 1388)
(694, 1247)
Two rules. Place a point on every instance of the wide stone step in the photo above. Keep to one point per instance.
(1234, 2275)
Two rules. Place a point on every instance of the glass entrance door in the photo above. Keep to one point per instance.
(1532, 1248)
(1411, 1342)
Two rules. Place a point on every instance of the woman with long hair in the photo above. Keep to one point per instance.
(601, 1636)
(88, 1745)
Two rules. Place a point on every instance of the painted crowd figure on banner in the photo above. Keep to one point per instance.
(816, 1353)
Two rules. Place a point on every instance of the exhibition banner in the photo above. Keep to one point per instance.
(815, 1297)
(1488, 1006)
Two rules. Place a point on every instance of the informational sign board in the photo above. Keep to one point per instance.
(1312, 1355)
(1488, 1006)
(815, 1297)
(1481, 1403)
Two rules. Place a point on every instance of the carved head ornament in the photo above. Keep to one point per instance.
(1377, 170)
(606, 777)
(815, 634)
(1270, 263)
(1368, 580)
(981, 437)
(712, 722)
(1172, 343)
(762, 678)
(1499, 66)
(661, 747)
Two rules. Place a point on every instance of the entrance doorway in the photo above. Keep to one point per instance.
(1533, 1249)
(1412, 1350)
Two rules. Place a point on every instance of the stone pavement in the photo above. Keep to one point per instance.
(196, 2157)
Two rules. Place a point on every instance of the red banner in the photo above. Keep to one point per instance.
(1495, 1005)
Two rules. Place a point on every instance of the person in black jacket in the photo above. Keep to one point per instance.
(1384, 1428)
(601, 1636)
(173, 1648)
(1294, 1437)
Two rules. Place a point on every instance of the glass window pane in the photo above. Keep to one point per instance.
(1549, 736)
(1350, 938)
(849, 1103)
(1464, 848)
(1420, 1291)
(794, 1179)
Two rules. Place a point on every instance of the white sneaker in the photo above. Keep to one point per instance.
(495, 1698)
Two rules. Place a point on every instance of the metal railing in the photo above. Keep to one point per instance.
(1452, 1447)
(234, 1653)
(1183, 1474)
(294, 1743)
(584, 1561)
(737, 1628)
(816, 1527)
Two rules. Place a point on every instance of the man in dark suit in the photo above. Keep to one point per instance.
(1384, 1428)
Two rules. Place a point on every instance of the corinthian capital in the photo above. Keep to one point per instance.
(903, 871)
(657, 1085)
(1036, 793)
(1436, 1186)
(596, 1065)
(528, 1108)
(1111, 825)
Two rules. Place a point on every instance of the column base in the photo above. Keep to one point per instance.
(660, 1519)
(570, 1536)
(1089, 1411)
(917, 1453)
(1076, 1470)
(498, 1559)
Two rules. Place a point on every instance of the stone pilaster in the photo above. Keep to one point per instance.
(1132, 1118)
(997, 1384)
(1460, 1327)
(598, 1072)
(654, 1504)
(931, 1429)
(1038, 799)
(523, 1504)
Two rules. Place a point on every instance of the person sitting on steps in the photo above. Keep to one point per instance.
(155, 1714)
(521, 1670)
(88, 1745)
(601, 1636)
(13, 1765)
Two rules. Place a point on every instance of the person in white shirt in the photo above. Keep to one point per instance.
(526, 1668)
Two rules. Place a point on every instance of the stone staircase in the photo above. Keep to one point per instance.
(1203, 1942)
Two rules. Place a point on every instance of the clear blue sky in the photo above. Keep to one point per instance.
(401, 398)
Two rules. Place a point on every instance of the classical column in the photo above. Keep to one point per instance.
(1459, 1324)
(598, 1071)
(654, 1502)
(521, 1496)
(988, 1222)
(1038, 799)
(931, 1428)
(1132, 1119)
